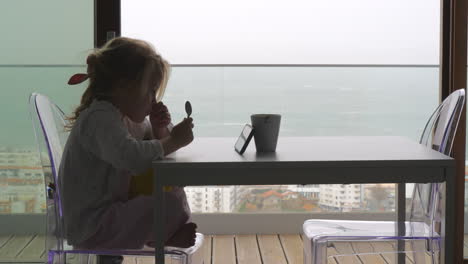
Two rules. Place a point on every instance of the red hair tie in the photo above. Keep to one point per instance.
(78, 78)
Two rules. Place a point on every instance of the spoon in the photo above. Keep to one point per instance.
(188, 108)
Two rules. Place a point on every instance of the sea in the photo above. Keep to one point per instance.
(312, 100)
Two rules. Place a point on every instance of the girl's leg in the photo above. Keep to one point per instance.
(129, 225)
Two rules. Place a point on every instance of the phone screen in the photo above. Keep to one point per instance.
(244, 139)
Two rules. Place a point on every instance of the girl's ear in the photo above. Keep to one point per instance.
(121, 87)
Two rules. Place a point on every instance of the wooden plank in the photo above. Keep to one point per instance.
(147, 260)
(465, 246)
(207, 246)
(247, 250)
(33, 251)
(347, 260)
(129, 260)
(143, 260)
(4, 240)
(72, 258)
(293, 248)
(150, 259)
(80, 258)
(270, 249)
(223, 250)
(409, 253)
(409, 249)
(421, 246)
(14, 247)
(386, 246)
(344, 248)
(206, 249)
(331, 253)
(371, 257)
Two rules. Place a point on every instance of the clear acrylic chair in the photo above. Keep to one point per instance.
(422, 239)
(49, 129)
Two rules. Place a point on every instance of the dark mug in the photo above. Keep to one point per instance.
(266, 131)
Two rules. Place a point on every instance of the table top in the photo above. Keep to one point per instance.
(311, 151)
(304, 160)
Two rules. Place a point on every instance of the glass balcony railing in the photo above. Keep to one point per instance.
(313, 101)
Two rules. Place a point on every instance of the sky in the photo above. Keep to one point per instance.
(288, 32)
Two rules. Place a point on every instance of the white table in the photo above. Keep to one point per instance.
(307, 160)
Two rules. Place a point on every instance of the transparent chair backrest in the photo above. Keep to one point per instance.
(49, 130)
(438, 134)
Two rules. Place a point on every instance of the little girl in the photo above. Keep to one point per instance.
(110, 140)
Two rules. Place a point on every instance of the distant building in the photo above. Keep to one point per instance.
(309, 191)
(21, 182)
(341, 197)
(211, 199)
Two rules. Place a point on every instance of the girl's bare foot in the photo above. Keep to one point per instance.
(184, 237)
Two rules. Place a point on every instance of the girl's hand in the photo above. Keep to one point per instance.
(182, 133)
(159, 118)
(180, 136)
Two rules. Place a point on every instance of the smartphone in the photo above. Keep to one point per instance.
(244, 139)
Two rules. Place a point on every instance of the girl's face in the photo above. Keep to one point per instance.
(136, 102)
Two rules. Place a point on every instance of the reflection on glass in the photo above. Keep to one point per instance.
(21, 175)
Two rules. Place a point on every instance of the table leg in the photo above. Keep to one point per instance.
(448, 248)
(159, 223)
(400, 221)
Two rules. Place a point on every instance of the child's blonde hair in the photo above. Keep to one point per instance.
(122, 61)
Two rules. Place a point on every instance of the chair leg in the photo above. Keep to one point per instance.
(50, 257)
(56, 257)
(435, 252)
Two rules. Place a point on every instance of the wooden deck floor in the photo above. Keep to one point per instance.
(226, 249)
